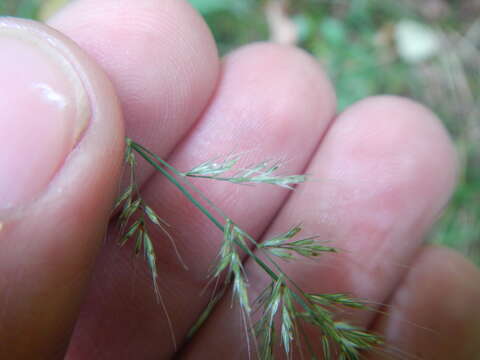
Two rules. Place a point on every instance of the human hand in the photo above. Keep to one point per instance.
(385, 169)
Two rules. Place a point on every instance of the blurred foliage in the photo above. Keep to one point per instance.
(21, 8)
(356, 42)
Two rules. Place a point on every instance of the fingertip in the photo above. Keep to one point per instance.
(291, 88)
(432, 314)
(405, 144)
(302, 77)
(160, 55)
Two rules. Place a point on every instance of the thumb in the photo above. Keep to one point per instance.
(61, 144)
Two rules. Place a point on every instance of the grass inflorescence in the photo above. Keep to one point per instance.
(229, 262)
(134, 221)
(283, 246)
(283, 309)
(264, 172)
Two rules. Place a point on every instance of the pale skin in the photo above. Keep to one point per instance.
(383, 171)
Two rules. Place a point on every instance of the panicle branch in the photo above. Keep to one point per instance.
(261, 173)
(284, 247)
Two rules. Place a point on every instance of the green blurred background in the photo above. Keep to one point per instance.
(428, 50)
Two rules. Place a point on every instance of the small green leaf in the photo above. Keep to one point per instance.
(131, 231)
(149, 252)
(212, 168)
(126, 194)
(327, 354)
(139, 241)
(130, 209)
(154, 218)
(336, 299)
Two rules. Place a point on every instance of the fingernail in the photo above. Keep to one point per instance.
(44, 109)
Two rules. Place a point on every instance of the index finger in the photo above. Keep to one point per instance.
(161, 58)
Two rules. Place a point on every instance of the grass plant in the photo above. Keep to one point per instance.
(283, 308)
